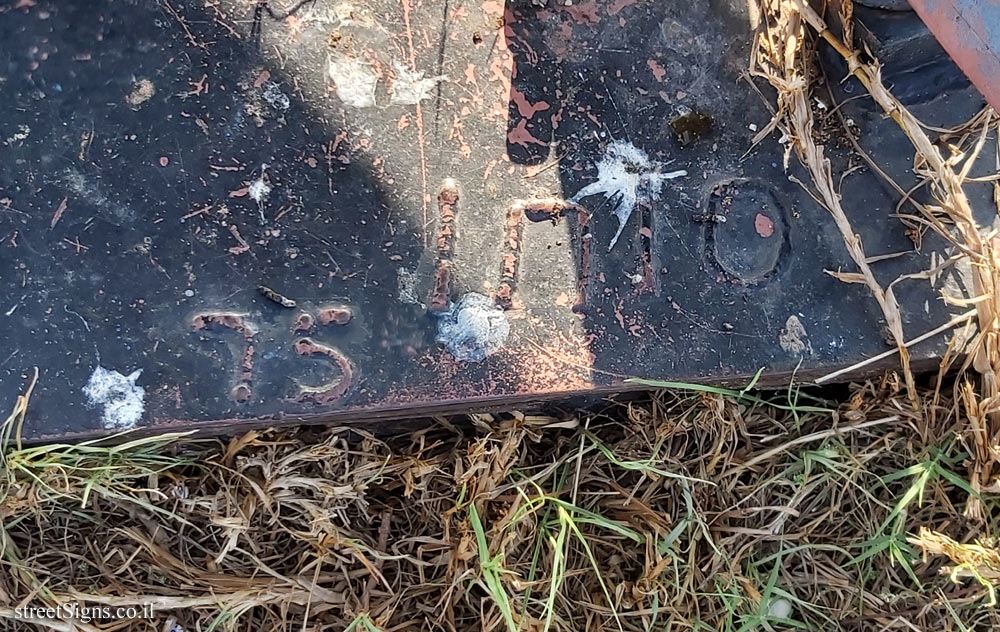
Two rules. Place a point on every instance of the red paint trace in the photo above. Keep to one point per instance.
(763, 225)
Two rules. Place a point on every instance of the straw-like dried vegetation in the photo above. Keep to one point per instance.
(697, 509)
(684, 511)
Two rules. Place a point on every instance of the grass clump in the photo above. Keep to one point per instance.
(684, 510)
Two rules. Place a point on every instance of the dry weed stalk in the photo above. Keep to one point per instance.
(782, 57)
(981, 559)
(679, 512)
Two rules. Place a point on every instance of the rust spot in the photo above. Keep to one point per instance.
(303, 322)
(441, 292)
(763, 225)
(509, 264)
(586, 247)
(237, 323)
(547, 209)
(336, 315)
(504, 295)
(332, 391)
(449, 192)
(247, 363)
(510, 259)
(229, 320)
(241, 393)
(440, 296)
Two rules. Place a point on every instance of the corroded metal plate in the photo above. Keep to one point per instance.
(448, 204)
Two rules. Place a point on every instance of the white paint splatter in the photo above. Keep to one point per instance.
(794, 338)
(406, 285)
(779, 608)
(142, 91)
(275, 97)
(626, 172)
(410, 87)
(355, 81)
(473, 328)
(172, 626)
(119, 395)
(22, 133)
(259, 190)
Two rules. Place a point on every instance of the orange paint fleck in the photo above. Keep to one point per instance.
(659, 72)
(470, 74)
(501, 69)
(524, 107)
(262, 78)
(519, 135)
(618, 5)
(493, 7)
(584, 12)
(763, 225)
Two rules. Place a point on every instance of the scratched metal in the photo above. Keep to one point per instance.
(421, 188)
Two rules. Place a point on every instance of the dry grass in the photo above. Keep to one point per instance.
(688, 510)
(787, 33)
(683, 511)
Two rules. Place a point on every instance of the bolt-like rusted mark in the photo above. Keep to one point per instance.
(447, 199)
(542, 210)
(275, 297)
(229, 320)
(303, 322)
(546, 209)
(330, 392)
(337, 315)
(583, 267)
(247, 364)
(242, 392)
(440, 296)
(511, 257)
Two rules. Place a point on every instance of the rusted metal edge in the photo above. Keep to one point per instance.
(970, 31)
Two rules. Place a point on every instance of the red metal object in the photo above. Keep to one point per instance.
(970, 31)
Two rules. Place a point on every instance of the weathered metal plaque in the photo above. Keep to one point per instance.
(226, 212)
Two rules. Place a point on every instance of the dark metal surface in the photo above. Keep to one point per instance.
(970, 31)
(888, 5)
(428, 194)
